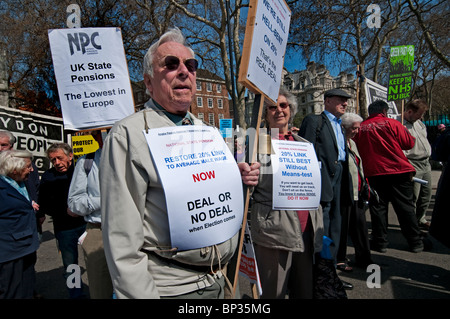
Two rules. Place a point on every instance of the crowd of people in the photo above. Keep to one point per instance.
(112, 202)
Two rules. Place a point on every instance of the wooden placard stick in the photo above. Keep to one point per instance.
(252, 157)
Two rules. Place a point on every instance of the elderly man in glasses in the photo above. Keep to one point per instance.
(135, 223)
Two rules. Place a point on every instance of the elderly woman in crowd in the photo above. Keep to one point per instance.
(284, 239)
(18, 230)
(354, 213)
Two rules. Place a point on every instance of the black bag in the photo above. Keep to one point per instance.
(327, 284)
(367, 195)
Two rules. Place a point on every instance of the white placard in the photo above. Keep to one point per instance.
(375, 91)
(270, 35)
(296, 176)
(202, 184)
(92, 76)
(248, 266)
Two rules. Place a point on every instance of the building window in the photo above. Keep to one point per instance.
(199, 102)
(201, 116)
(208, 86)
(211, 118)
(199, 86)
(220, 103)
(210, 103)
(220, 116)
(219, 88)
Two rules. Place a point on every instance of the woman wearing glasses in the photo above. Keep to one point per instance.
(284, 240)
(18, 231)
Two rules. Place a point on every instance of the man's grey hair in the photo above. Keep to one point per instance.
(173, 35)
(9, 135)
(13, 160)
(59, 146)
(349, 118)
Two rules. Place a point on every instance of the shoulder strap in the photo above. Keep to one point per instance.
(88, 161)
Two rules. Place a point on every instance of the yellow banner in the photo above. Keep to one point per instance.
(84, 144)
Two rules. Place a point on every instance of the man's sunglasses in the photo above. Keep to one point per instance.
(172, 62)
(282, 106)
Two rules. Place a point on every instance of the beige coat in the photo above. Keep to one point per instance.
(353, 152)
(135, 222)
(422, 148)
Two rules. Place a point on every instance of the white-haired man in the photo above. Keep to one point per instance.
(136, 229)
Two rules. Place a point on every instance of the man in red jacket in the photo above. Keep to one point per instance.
(381, 141)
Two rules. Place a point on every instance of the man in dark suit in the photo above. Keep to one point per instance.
(325, 132)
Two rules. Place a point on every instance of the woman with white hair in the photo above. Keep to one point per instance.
(285, 240)
(354, 213)
(18, 232)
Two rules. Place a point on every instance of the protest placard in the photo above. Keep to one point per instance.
(92, 76)
(197, 168)
(400, 72)
(264, 46)
(34, 132)
(375, 91)
(248, 266)
(84, 144)
(226, 127)
(296, 176)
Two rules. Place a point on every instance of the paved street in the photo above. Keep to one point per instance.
(404, 275)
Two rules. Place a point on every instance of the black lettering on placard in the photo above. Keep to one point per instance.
(33, 132)
(81, 40)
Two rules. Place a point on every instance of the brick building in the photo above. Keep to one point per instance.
(211, 101)
(210, 104)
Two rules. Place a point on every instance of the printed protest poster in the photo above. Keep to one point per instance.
(296, 176)
(84, 144)
(264, 47)
(226, 127)
(248, 266)
(375, 91)
(202, 184)
(400, 72)
(34, 133)
(92, 76)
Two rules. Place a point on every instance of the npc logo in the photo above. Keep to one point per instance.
(82, 41)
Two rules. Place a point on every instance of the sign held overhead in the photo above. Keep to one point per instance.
(264, 47)
(400, 72)
(92, 76)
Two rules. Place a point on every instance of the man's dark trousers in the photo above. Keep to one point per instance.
(397, 189)
(331, 213)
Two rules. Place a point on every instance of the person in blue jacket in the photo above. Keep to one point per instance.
(18, 232)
